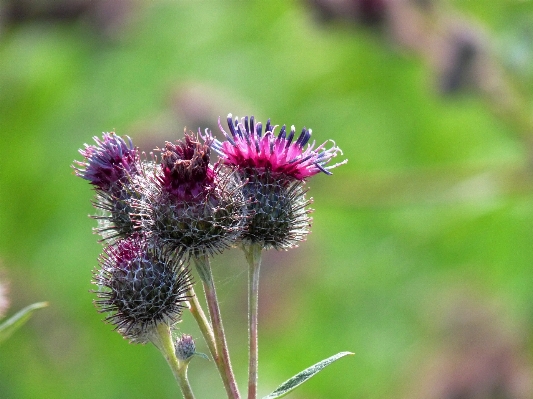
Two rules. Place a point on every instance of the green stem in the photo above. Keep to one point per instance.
(222, 359)
(203, 323)
(162, 339)
(253, 256)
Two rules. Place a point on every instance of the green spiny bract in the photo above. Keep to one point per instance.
(279, 211)
(140, 286)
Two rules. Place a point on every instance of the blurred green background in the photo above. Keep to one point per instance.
(421, 252)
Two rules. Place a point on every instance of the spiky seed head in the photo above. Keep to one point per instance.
(116, 216)
(139, 287)
(185, 347)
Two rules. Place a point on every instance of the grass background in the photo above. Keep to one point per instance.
(421, 234)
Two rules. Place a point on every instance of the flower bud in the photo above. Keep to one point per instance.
(140, 287)
(185, 347)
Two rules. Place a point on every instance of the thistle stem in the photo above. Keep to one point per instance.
(162, 339)
(253, 256)
(222, 359)
(203, 323)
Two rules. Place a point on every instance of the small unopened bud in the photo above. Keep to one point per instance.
(185, 347)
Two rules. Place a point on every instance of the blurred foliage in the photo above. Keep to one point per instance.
(9, 326)
(426, 228)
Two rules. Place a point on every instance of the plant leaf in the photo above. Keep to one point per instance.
(202, 355)
(12, 324)
(303, 376)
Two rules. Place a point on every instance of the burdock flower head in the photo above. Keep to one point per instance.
(188, 204)
(251, 151)
(109, 166)
(186, 172)
(275, 168)
(108, 163)
(140, 286)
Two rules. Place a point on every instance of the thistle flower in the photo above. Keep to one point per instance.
(140, 287)
(251, 152)
(188, 204)
(109, 166)
(186, 172)
(275, 169)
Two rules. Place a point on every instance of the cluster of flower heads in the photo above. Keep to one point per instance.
(156, 213)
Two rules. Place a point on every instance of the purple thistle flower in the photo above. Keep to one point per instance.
(140, 287)
(186, 203)
(110, 166)
(247, 148)
(109, 162)
(187, 174)
(275, 169)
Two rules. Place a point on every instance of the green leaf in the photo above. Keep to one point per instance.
(202, 355)
(303, 376)
(12, 324)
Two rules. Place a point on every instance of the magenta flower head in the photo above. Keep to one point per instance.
(140, 286)
(274, 169)
(251, 151)
(110, 166)
(188, 204)
(186, 172)
(108, 163)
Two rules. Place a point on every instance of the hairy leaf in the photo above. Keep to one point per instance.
(9, 326)
(303, 376)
